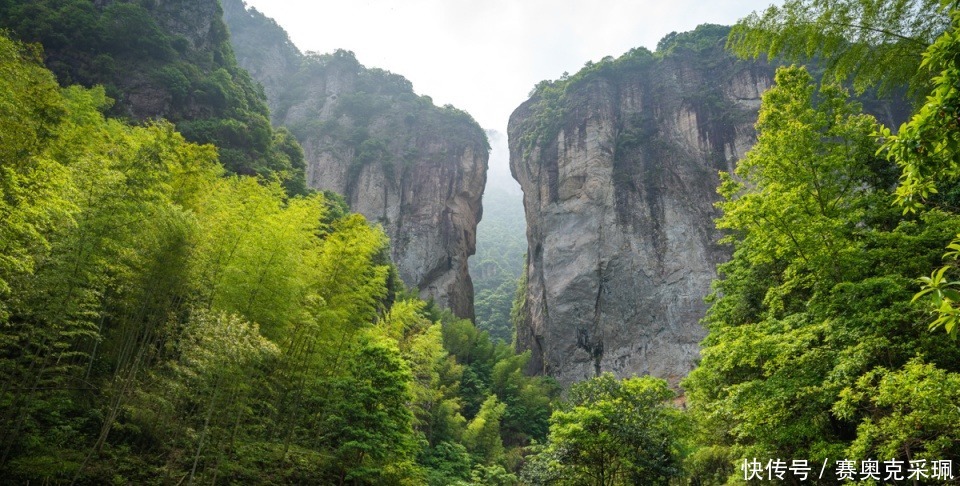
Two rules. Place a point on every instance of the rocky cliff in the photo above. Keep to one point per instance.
(618, 166)
(417, 169)
(262, 47)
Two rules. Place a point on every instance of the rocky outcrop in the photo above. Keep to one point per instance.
(262, 47)
(417, 169)
(618, 166)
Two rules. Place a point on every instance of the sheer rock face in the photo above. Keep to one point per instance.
(424, 185)
(426, 192)
(417, 169)
(619, 203)
(261, 47)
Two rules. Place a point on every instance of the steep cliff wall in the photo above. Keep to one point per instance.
(262, 47)
(417, 169)
(618, 167)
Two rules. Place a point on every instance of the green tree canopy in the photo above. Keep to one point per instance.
(817, 294)
(872, 42)
(612, 432)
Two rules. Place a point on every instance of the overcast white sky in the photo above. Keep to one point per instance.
(484, 56)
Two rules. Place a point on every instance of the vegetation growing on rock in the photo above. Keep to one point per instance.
(168, 60)
(163, 322)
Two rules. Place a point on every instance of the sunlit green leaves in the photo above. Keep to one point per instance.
(161, 322)
(818, 291)
(612, 432)
(482, 435)
(31, 199)
(943, 294)
(797, 191)
(927, 149)
(928, 146)
(872, 42)
(912, 411)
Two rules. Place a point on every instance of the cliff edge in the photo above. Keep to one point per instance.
(416, 168)
(618, 166)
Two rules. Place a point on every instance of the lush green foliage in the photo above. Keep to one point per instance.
(874, 42)
(811, 325)
(162, 323)
(495, 389)
(611, 432)
(191, 78)
(927, 148)
(495, 269)
(907, 412)
(704, 38)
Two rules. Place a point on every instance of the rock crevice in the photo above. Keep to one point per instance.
(618, 193)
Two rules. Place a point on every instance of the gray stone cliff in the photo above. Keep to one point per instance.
(619, 175)
(417, 169)
(261, 47)
(619, 168)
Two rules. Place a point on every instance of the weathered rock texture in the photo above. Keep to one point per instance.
(417, 169)
(619, 168)
(619, 185)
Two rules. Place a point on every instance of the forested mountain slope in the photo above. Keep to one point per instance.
(501, 245)
(168, 59)
(166, 320)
